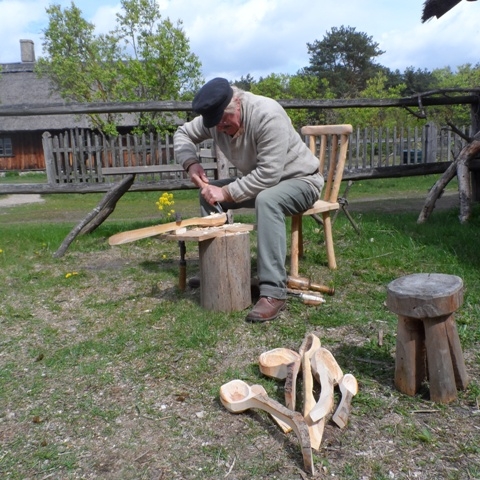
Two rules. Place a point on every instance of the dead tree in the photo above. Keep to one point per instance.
(460, 168)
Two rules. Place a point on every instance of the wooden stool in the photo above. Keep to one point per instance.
(426, 333)
(225, 270)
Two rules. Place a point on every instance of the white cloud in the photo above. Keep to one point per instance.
(258, 37)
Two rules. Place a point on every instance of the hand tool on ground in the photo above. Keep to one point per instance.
(237, 396)
(349, 388)
(307, 350)
(308, 298)
(213, 220)
(302, 283)
(282, 364)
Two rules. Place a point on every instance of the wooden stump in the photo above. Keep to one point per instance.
(225, 272)
(427, 335)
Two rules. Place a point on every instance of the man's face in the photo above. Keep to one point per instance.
(231, 122)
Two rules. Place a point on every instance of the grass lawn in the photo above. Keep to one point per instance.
(108, 371)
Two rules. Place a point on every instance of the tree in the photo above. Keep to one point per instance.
(285, 87)
(377, 87)
(345, 58)
(417, 81)
(143, 58)
(245, 83)
(466, 76)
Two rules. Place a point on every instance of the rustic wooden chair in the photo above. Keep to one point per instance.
(334, 141)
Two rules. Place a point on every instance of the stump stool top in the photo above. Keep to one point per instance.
(425, 295)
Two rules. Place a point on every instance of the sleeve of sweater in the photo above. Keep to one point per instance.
(185, 140)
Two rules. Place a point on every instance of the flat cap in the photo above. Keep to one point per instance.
(211, 101)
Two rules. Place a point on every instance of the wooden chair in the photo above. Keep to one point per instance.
(334, 141)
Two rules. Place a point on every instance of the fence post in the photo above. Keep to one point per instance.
(48, 154)
(430, 143)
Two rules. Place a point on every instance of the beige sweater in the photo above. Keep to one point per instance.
(267, 152)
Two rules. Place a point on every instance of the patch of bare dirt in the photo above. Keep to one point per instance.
(20, 199)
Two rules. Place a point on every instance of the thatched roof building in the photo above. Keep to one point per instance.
(20, 85)
(437, 8)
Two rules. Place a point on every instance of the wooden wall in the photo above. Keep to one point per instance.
(27, 152)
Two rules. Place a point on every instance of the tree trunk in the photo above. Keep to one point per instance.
(459, 167)
(98, 214)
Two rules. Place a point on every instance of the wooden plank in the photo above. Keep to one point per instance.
(200, 234)
(49, 160)
(74, 170)
(99, 156)
(151, 169)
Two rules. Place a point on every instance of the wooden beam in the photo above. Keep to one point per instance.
(423, 99)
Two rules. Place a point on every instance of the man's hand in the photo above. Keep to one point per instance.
(212, 194)
(197, 175)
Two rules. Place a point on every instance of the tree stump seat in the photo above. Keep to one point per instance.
(427, 337)
(225, 266)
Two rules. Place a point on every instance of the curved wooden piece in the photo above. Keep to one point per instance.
(274, 363)
(259, 390)
(213, 220)
(329, 373)
(308, 348)
(237, 396)
(325, 356)
(291, 383)
(282, 364)
(348, 388)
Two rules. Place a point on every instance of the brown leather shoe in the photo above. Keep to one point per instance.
(267, 308)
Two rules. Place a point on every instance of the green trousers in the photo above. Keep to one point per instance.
(272, 205)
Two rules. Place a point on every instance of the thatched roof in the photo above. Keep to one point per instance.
(436, 8)
(19, 85)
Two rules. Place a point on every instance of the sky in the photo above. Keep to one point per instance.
(258, 37)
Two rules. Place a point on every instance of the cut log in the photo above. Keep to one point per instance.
(225, 272)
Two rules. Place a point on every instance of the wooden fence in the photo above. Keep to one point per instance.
(82, 157)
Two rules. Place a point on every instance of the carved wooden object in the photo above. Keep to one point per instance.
(427, 335)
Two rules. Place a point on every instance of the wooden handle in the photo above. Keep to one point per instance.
(214, 220)
(305, 284)
(259, 390)
(294, 419)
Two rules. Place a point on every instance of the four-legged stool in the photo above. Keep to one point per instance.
(427, 336)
